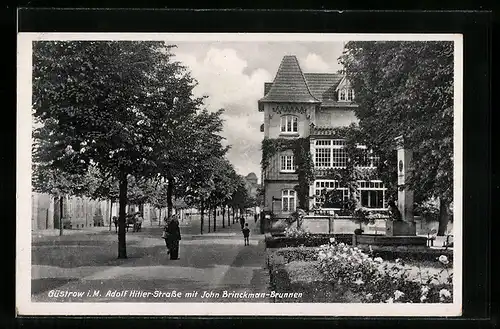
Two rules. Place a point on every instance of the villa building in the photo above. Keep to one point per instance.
(310, 105)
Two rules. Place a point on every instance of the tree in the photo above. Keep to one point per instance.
(197, 181)
(406, 88)
(97, 100)
(222, 175)
(240, 199)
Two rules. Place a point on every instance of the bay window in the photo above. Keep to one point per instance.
(329, 194)
(330, 154)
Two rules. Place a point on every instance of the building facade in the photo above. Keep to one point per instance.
(81, 212)
(310, 106)
(252, 184)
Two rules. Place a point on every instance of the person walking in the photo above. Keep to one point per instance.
(115, 221)
(246, 235)
(138, 221)
(242, 221)
(173, 237)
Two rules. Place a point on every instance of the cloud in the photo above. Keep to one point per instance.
(315, 63)
(222, 76)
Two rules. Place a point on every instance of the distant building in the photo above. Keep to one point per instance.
(252, 184)
(310, 105)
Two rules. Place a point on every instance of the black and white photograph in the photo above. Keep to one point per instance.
(239, 174)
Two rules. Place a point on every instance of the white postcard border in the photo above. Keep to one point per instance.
(25, 306)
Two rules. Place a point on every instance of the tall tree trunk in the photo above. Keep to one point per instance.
(170, 190)
(159, 217)
(110, 213)
(215, 217)
(202, 219)
(444, 216)
(228, 216)
(223, 216)
(122, 247)
(234, 214)
(209, 210)
(61, 212)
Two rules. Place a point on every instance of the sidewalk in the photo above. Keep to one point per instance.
(210, 263)
(82, 231)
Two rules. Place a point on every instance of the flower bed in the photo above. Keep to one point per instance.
(341, 273)
(376, 280)
(407, 253)
(292, 271)
(311, 240)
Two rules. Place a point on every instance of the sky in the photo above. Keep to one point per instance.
(232, 75)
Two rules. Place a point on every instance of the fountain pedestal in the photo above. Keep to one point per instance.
(400, 228)
(405, 227)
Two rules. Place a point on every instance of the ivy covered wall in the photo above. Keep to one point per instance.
(305, 171)
(303, 162)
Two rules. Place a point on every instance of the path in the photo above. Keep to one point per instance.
(209, 265)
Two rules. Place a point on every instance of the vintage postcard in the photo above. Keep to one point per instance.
(239, 174)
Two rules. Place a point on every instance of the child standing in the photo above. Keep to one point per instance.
(246, 234)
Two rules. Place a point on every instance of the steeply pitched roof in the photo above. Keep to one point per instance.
(289, 85)
(322, 85)
(267, 87)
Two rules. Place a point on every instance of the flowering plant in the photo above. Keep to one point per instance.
(294, 232)
(378, 281)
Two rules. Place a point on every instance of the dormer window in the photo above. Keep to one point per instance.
(346, 95)
(289, 124)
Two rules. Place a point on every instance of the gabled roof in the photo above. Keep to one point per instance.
(323, 85)
(289, 85)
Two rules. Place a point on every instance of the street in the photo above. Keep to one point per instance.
(213, 267)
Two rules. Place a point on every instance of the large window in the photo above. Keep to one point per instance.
(372, 194)
(289, 124)
(368, 159)
(339, 157)
(329, 194)
(323, 155)
(330, 154)
(287, 163)
(288, 201)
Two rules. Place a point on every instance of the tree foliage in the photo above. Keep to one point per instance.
(124, 108)
(406, 88)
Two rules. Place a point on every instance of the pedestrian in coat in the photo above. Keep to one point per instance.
(115, 221)
(173, 237)
(246, 235)
(242, 222)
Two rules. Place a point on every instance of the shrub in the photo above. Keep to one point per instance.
(296, 254)
(376, 280)
(294, 232)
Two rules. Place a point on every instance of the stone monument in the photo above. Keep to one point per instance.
(405, 226)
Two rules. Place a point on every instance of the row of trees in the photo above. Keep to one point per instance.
(118, 120)
(406, 88)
